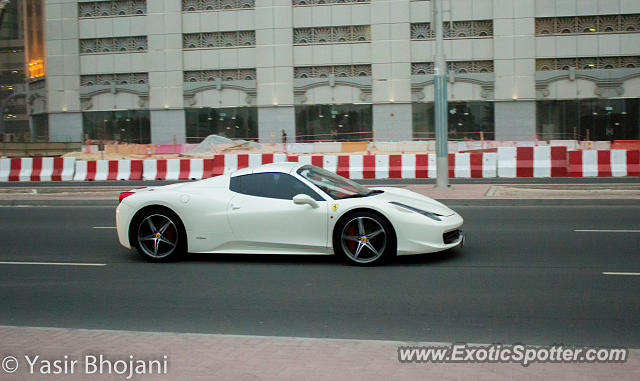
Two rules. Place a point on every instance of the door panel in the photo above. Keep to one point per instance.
(277, 225)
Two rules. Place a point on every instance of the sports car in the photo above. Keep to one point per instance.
(284, 208)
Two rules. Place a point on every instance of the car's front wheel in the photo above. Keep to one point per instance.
(364, 238)
(159, 235)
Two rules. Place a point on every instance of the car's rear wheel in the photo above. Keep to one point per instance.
(364, 238)
(159, 235)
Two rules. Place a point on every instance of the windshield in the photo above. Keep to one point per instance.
(337, 187)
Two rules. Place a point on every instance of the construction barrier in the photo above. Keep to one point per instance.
(195, 169)
(37, 169)
(405, 166)
(594, 145)
(569, 144)
(108, 170)
(540, 161)
(617, 163)
(631, 145)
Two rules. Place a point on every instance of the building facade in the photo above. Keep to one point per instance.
(156, 71)
(14, 121)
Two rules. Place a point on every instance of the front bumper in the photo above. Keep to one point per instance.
(452, 236)
(423, 236)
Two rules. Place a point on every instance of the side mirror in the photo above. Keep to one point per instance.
(301, 199)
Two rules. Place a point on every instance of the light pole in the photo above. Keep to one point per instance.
(440, 101)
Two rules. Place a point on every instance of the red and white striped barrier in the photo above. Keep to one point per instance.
(474, 165)
(604, 163)
(37, 169)
(405, 166)
(541, 161)
(195, 169)
(108, 170)
(408, 166)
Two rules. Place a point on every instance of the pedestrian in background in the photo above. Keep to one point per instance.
(284, 141)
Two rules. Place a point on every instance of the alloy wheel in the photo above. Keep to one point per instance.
(157, 236)
(363, 239)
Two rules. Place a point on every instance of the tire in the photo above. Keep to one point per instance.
(364, 239)
(158, 235)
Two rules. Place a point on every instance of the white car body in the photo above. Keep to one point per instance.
(218, 220)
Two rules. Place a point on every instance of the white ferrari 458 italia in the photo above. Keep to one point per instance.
(284, 208)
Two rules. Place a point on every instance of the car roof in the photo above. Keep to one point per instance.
(285, 167)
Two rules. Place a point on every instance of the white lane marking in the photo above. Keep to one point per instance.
(56, 206)
(24, 206)
(104, 227)
(52, 263)
(607, 231)
(616, 273)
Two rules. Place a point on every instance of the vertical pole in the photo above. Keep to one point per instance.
(440, 101)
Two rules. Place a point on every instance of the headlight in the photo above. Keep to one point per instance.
(433, 216)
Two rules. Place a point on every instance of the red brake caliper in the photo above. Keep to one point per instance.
(351, 231)
(171, 234)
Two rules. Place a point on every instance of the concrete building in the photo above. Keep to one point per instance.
(151, 71)
(14, 121)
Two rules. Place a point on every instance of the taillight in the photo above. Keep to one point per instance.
(124, 195)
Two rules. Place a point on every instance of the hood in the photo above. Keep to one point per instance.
(413, 199)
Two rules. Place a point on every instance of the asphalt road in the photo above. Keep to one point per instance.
(524, 276)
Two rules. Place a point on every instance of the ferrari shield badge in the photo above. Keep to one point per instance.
(334, 207)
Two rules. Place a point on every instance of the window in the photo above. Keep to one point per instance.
(348, 122)
(230, 122)
(272, 185)
(454, 29)
(126, 126)
(589, 119)
(467, 120)
(115, 44)
(340, 71)
(587, 63)
(588, 24)
(337, 187)
(111, 8)
(332, 34)
(214, 40)
(10, 28)
(40, 127)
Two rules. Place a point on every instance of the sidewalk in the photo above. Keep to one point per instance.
(253, 358)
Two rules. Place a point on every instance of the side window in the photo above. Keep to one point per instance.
(289, 186)
(272, 185)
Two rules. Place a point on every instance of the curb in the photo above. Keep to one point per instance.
(96, 203)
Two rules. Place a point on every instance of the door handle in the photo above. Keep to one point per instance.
(234, 206)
